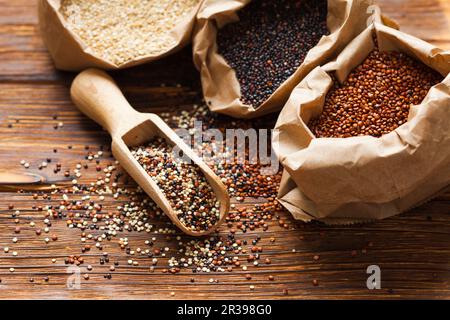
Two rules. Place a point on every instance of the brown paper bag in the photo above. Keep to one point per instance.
(346, 19)
(364, 178)
(69, 52)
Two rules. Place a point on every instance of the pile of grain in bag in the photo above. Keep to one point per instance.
(113, 34)
(376, 96)
(269, 43)
(366, 136)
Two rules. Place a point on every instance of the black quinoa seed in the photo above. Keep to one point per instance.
(270, 42)
(183, 183)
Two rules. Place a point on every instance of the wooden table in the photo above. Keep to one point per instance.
(413, 250)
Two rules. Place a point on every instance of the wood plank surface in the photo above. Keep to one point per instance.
(412, 250)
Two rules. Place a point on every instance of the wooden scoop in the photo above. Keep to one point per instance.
(97, 95)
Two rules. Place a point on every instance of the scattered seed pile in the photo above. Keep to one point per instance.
(376, 97)
(184, 184)
(270, 42)
(106, 206)
(123, 30)
(242, 178)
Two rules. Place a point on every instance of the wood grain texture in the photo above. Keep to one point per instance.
(413, 250)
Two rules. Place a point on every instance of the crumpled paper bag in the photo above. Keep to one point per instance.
(346, 19)
(358, 179)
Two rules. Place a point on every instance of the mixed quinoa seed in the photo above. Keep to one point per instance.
(243, 178)
(270, 42)
(376, 96)
(106, 210)
(183, 184)
(119, 31)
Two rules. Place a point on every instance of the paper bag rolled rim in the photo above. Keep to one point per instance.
(68, 50)
(300, 214)
(316, 55)
(290, 195)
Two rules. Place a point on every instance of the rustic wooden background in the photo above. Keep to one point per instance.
(413, 250)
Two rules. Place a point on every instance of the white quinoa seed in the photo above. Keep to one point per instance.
(123, 30)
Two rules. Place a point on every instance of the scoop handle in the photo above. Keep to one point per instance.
(96, 94)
